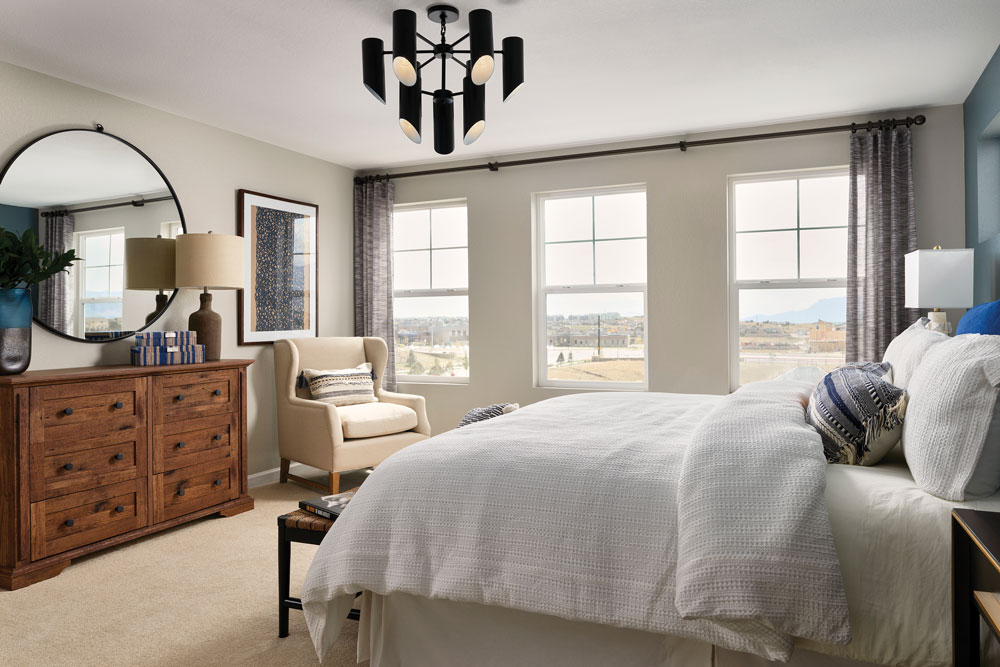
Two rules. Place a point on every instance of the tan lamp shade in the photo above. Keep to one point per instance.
(213, 261)
(149, 263)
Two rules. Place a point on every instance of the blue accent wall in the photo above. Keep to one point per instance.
(982, 179)
(18, 219)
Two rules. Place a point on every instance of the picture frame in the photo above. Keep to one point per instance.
(280, 266)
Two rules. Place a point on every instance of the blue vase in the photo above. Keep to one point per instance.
(15, 330)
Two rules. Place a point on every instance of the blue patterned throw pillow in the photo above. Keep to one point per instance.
(489, 412)
(857, 413)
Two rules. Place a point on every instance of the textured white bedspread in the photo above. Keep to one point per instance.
(568, 508)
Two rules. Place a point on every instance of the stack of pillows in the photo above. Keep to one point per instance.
(935, 393)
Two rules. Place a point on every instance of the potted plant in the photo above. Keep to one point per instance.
(23, 263)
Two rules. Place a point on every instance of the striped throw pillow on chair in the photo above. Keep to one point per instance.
(347, 386)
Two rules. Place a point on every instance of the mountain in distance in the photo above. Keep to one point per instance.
(828, 310)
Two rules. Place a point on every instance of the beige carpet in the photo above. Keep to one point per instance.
(200, 594)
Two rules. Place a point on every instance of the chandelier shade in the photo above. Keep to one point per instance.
(513, 65)
(473, 110)
(372, 68)
(411, 110)
(481, 45)
(477, 60)
(404, 46)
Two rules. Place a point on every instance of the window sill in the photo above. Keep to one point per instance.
(407, 379)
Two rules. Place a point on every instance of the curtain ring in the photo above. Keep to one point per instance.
(854, 128)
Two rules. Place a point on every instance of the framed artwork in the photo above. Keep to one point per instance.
(279, 264)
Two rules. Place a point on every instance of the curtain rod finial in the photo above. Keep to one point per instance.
(920, 119)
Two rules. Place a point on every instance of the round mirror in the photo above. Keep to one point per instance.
(103, 197)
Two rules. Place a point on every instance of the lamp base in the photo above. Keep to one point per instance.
(939, 322)
(208, 325)
(161, 303)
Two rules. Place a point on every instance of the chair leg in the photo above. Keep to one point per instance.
(334, 482)
(283, 475)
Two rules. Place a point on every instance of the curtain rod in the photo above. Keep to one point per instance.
(134, 202)
(868, 126)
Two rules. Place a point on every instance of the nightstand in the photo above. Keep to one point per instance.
(975, 580)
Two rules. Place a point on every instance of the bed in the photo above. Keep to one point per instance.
(871, 586)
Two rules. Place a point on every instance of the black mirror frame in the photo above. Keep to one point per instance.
(100, 130)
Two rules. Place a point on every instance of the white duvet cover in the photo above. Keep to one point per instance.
(570, 508)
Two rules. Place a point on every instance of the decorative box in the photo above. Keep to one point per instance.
(167, 355)
(169, 338)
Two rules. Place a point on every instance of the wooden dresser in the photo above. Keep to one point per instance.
(93, 457)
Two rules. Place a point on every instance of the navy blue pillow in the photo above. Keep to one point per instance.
(982, 319)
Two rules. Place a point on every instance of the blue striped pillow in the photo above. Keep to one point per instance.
(858, 414)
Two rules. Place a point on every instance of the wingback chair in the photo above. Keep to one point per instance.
(338, 439)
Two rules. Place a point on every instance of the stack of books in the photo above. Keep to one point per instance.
(328, 507)
(167, 348)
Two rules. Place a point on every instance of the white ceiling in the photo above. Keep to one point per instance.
(289, 73)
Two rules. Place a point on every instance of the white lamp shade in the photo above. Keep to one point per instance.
(149, 263)
(213, 261)
(939, 278)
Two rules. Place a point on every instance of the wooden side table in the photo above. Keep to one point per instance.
(307, 528)
(975, 578)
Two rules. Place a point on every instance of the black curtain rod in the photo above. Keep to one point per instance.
(876, 125)
(134, 202)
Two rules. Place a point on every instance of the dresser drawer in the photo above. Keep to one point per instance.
(190, 395)
(83, 410)
(194, 441)
(185, 490)
(76, 465)
(63, 523)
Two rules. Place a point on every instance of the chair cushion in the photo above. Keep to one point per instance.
(367, 420)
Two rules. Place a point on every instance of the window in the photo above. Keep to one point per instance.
(431, 292)
(171, 230)
(592, 297)
(101, 280)
(789, 272)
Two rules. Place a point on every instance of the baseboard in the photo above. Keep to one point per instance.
(271, 476)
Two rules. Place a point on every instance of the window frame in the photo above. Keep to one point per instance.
(784, 283)
(79, 241)
(444, 291)
(542, 291)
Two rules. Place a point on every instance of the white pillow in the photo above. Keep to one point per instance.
(953, 394)
(907, 349)
(347, 386)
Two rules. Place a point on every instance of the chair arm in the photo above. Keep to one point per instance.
(312, 424)
(413, 401)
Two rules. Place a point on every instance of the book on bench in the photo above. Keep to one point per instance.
(328, 507)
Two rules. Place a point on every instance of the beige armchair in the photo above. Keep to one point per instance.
(338, 439)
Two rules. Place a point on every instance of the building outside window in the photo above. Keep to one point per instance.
(788, 268)
(591, 262)
(100, 280)
(431, 292)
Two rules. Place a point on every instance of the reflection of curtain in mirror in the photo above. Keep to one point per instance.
(280, 287)
(55, 295)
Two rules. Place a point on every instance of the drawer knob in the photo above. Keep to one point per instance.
(180, 492)
(218, 436)
(68, 411)
(217, 392)
(218, 482)
(180, 397)
(69, 523)
(119, 405)
(181, 444)
(69, 466)
(119, 456)
(120, 509)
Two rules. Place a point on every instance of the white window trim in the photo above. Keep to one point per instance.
(736, 285)
(444, 291)
(542, 291)
(81, 301)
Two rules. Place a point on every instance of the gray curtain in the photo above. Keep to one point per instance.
(55, 295)
(881, 229)
(373, 201)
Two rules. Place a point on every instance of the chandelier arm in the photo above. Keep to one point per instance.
(459, 40)
(425, 39)
(427, 62)
(465, 65)
(458, 50)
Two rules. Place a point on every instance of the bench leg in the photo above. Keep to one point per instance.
(284, 565)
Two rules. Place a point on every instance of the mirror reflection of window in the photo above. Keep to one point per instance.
(100, 280)
(171, 230)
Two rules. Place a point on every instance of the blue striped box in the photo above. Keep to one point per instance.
(167, 355)
(169, 338)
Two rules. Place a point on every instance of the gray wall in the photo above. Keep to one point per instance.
(982, 179)
(688, 338)
(206, 166)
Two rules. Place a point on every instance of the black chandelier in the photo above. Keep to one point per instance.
(477, 71)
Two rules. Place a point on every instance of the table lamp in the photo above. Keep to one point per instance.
(149, 265)
(939, 279)
(209, 261)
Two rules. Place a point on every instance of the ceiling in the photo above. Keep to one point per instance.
(289, 73)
